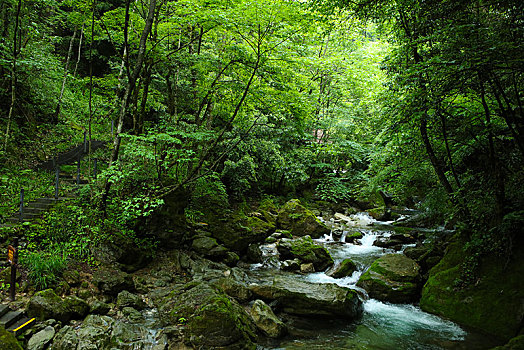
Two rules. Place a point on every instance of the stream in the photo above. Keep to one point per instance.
(383, 325)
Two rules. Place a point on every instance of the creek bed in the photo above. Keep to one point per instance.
(383, 325)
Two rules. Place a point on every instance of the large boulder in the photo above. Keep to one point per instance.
(266, 321)
(112, 281)
(46, 305)
(237, 232)
(392, 277)
(127, 299)
(306, 251)
(492, 303)
(308, 299)
(212, 318)
(105, 333)
(122, 253)
(300, 221)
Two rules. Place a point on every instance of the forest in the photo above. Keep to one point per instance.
(263, 174)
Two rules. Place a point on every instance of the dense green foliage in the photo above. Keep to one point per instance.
(230, 100)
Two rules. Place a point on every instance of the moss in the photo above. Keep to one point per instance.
(8, 341)
(354, 235)
(493, 304)
(516, 343)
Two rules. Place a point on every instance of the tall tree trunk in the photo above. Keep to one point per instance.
(64, 80)
(132, 78)
(13, 75)
(79, 50)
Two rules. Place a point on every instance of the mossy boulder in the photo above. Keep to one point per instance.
(46, 305)
(353, 236)
(212, 318)
(8, 341)
(310, 299)
(300, 221)
(493, 304)
(344, 269)
(392, 277)
(306, 251)
(112, 281)
(237, 232)
(127, 299)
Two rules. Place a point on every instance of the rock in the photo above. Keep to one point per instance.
(393, 278)
(112, 281)
(234, 288)
(300, 221)
(124, 254)
(40, 340)
(8, 341)
(342, 217)
(416, 253)
(307, 268)
(104, 333)
(72, 277)
(203, 245)
(492, 304)
(306, 251)
(290, 265)
(231, 259)
(266, 320)
(126, 298)
(132, 314)
(212, 319)
(254, 253)
(352, 237)
(387, 242)
(99, 308)
(46, 304)
(308, 299)
(346, 268)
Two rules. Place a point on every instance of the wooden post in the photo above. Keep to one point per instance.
(21, 204)
(57, 176)
(78, 171)
(14, 261)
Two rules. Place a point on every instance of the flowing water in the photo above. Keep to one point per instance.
(383, 325)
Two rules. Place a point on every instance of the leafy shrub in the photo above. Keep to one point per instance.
(333, 189)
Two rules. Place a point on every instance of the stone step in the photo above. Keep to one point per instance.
(10, 318)
(14, 220)
(4, 309)
(21, 325)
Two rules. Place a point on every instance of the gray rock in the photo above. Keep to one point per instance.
(307, 268)
(112, 281)
(300, 221)
(344, 269)
(306, 251)
(40, 340)
(46, 304)
(203, 245)
(126, 298)
(303, 298)
(266, 320)
(99, 308)
(254, 253)
(290, 265)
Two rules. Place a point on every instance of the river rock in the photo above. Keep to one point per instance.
(126, 298)
(112, 281)
(344, 269)
(300, 221)
(254, 253)
(103, 333)
(203, 245)
(46, 304)
(307, 268)
(212, 318)
(290, 265)
(303, 298)
(393, 278)
(40, 340)
(266, 320)
(353, 236)
(306, 251)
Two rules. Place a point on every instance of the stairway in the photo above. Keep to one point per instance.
(14, 321)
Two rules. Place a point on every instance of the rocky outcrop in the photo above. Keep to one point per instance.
(306, 251)
(266, 321)
(300, 221)
(127, 299)
(211, 318)
(40, 340)
(46, 305)
(493, 303)
(392, 277)
(302, 298)
(105, 333)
